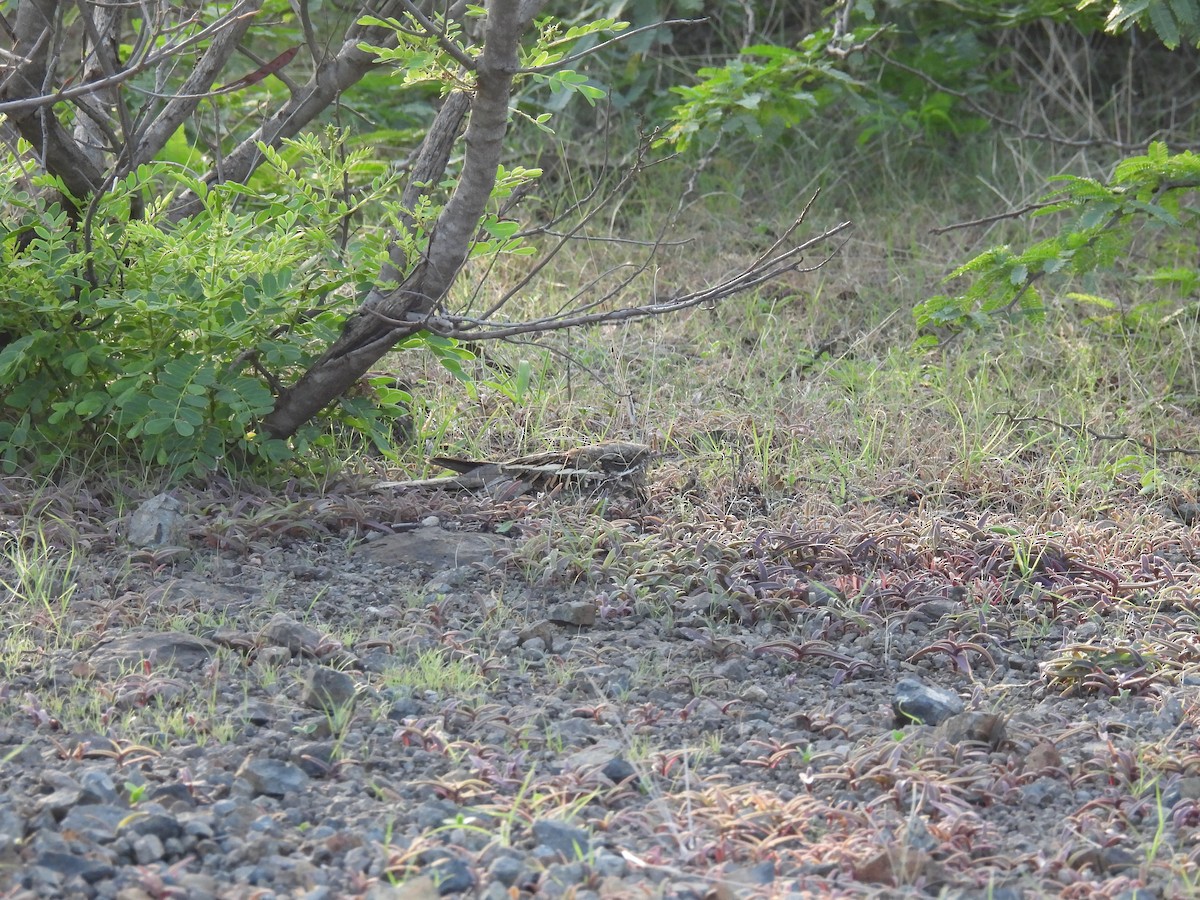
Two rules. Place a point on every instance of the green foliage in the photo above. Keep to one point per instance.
(1174, 21)
(763, 92)
(1104, 218)
(769, 89)
(913, 69)
(174, 337)
(419, 58)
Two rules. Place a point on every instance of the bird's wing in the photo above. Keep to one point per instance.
(456, 464)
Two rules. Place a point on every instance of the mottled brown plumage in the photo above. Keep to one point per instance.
(615, 464)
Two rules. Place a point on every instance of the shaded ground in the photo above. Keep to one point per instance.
(631, 703)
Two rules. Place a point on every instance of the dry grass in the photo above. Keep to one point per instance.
(823, 488)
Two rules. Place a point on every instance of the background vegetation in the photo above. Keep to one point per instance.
(130, 331)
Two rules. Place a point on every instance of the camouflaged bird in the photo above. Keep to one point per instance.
(611, 465)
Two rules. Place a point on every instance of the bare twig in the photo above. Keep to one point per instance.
(439, 34)
(50, 98)
(604, 45)
(469, 329)
(998, 217)
(1084, 429)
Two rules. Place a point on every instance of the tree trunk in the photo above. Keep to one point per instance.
(385, 316)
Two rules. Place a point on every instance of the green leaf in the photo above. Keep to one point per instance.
(1018, 276)
(1093, 299)
(11, 355)
(1164, 24)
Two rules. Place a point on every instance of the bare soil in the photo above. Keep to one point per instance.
(692, 694)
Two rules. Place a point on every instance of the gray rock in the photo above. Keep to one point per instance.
(432, 549)
(315, 757)
(61, 801)
(284, 631)
(506, 870)
(562, 880)
(157, 522)
(618, 769)
(1042, 792)
(160, 825)
(95, 822)
(452, 876)
(609, 865)
(97, 787)
(272, 777)
(163, 649)
(580, 614)
(924, 704)
(147, 848)
(979, 727)
(328, 689)
(568, 842)
(72, 865)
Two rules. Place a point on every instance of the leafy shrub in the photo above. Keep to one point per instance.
(1146, 193)
(175, 338)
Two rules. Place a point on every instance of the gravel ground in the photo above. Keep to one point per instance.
(417, 695)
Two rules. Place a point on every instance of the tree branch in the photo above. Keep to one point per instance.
(470, 330)
(367, 334)
(59, 153)
(604, 45)
(156, 134)
(330, 79)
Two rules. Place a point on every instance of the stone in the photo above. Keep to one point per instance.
(580, 614)
(1043, 755)
(284, 631)
(618, 769)
(328, 689)
(452, 876)
(506, 870)
(158, 522)
(433, 549)
(923, 704)
(272, 777)
(147, 848)
(568, 842)
(97, 822)
(162, 649)
(979, 727)
(73, 865)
